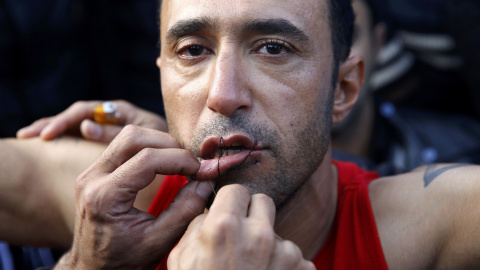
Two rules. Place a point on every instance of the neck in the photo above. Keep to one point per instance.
(307, 218)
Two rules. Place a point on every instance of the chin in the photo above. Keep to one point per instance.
(257, 176)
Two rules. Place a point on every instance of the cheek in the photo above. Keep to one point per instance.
(184, 101)
(293, 98)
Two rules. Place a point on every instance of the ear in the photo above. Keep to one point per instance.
(350, 81)
(159, 62)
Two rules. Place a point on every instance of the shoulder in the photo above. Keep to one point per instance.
(421, 215)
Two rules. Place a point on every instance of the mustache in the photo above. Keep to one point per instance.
(237, 123)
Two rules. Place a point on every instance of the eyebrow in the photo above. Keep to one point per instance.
(280, 27)
(269, 26)
(188, 27)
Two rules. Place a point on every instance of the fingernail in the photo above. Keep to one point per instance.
(204, 189)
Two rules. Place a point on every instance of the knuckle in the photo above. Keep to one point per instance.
(291, 251)
(226, 223)
(264, 198)
(43, 120)
(79, 104)
(90, 202)
(308, 265)
(223, 227)
(263, 237)
(82, 180)
(129, 133)
(145, 155)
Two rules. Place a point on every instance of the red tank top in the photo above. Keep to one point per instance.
(353, 242)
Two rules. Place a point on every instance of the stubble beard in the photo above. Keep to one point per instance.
(290, 163)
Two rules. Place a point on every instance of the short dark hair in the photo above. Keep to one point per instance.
(341, 26)
(341, 19)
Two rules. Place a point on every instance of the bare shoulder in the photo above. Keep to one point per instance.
(425, 217)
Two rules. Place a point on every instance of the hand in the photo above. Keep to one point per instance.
(77, 118)
(237, 233)
(109, 232)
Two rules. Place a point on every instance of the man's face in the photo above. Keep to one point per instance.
(249, 82)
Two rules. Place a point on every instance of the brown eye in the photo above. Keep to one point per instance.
(195, 50)
(274, 48)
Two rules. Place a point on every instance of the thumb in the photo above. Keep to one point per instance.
(96, 132)
(188, 204)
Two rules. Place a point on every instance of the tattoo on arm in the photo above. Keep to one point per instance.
(431, 173)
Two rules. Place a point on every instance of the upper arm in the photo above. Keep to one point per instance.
(428, 218)
(37, 186)
(461, 190)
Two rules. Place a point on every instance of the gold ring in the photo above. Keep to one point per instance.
(106, 113)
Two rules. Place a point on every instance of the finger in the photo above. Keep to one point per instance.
(231, 199)
(132, 114)
(287, 255)
(193, 228)
(307, 265)
(70, 118)
(188, 204)
(262, 209)
(120, 188)
(151, 161)
(128, 143)
(100, 133)
(34, 129)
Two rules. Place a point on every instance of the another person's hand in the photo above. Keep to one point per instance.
(109, 232)
(237, 233)
(78, 119)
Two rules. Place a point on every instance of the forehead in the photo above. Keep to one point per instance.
(311, 16)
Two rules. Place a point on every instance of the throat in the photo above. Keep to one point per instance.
(308, 217)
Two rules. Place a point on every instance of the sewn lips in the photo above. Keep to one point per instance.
(221, 154)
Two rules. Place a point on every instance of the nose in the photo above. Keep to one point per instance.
(229, 91)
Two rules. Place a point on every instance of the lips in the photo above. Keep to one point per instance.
(221, 154)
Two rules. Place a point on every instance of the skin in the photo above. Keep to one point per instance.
(78, 118)
(429, 222)
(105, 221)
(425, 219)
(410, 214)
(215, 89)
(44, 174)
(353, 135)
(23, 221)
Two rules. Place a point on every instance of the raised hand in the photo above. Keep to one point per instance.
(109, 231)
(237, 233)
(77, 119)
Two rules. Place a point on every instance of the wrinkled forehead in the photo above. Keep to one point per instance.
(310, 16)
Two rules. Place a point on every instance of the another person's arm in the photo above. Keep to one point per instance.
(79, 118)
(37, 188)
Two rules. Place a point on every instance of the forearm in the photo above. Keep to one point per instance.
(37, 181)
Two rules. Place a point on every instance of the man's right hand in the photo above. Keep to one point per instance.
(78, 118)
(109, 231)
(236, 233)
